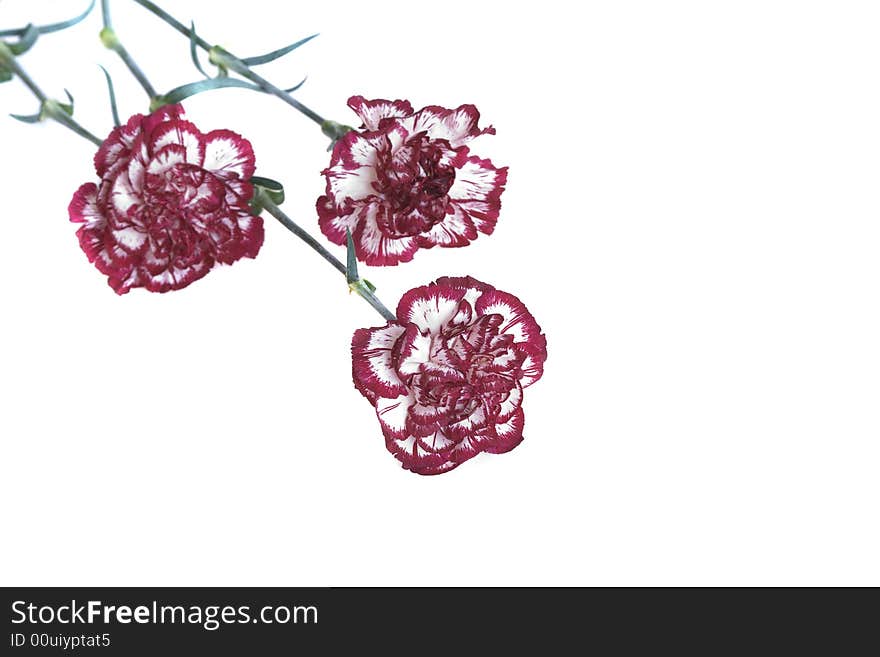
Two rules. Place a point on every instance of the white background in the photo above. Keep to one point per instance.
(692, 216)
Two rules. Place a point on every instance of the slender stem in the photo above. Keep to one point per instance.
(373, 300)
(288, 223)
(294, 228)
(135, 71)
(111, 41)
(67, 121)
(105, 14)
(173, 22)
(233, 62)
(24, 77)
(242, 69)
(49, 107)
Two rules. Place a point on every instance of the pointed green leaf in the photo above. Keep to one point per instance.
(54, 27)
(185, 91)
(193, 49)
(273, 189)
(28, 39)
(67, 107)
(275, 54)
(57, 27)
(295, 87)
(5, 75)
(369, 285)
(33, 118)
(112, 92)
(351, 265)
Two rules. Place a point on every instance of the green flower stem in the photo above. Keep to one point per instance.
(232, 62)
(359, 286)
(48, 107)
(371, 298)
(105, 14)
(112, 42)
(294, 228)
(57, 114)
(16, 68)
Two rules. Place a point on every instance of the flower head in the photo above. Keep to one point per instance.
(407, 180)
(171, 203)
(447, 378)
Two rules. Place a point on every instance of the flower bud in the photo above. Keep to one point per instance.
(109, 38)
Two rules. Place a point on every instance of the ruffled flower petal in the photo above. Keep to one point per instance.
(228, 153)
(507, 435)
(172, 202)
(371, 112)
(447, 378)
(457, 126)
(392, 414)
(83, 206)
(429, 307)
(517, 320)
(375, 247)
(407, 181)
(456, 229)
(477, 192)
(372, 363)
(182, 134)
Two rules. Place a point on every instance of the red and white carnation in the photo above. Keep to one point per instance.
(171, 203)
(447, 378)
(407, 181)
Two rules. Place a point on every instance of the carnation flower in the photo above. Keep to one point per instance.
(171, 203)
(447, 378)
(408, 181)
